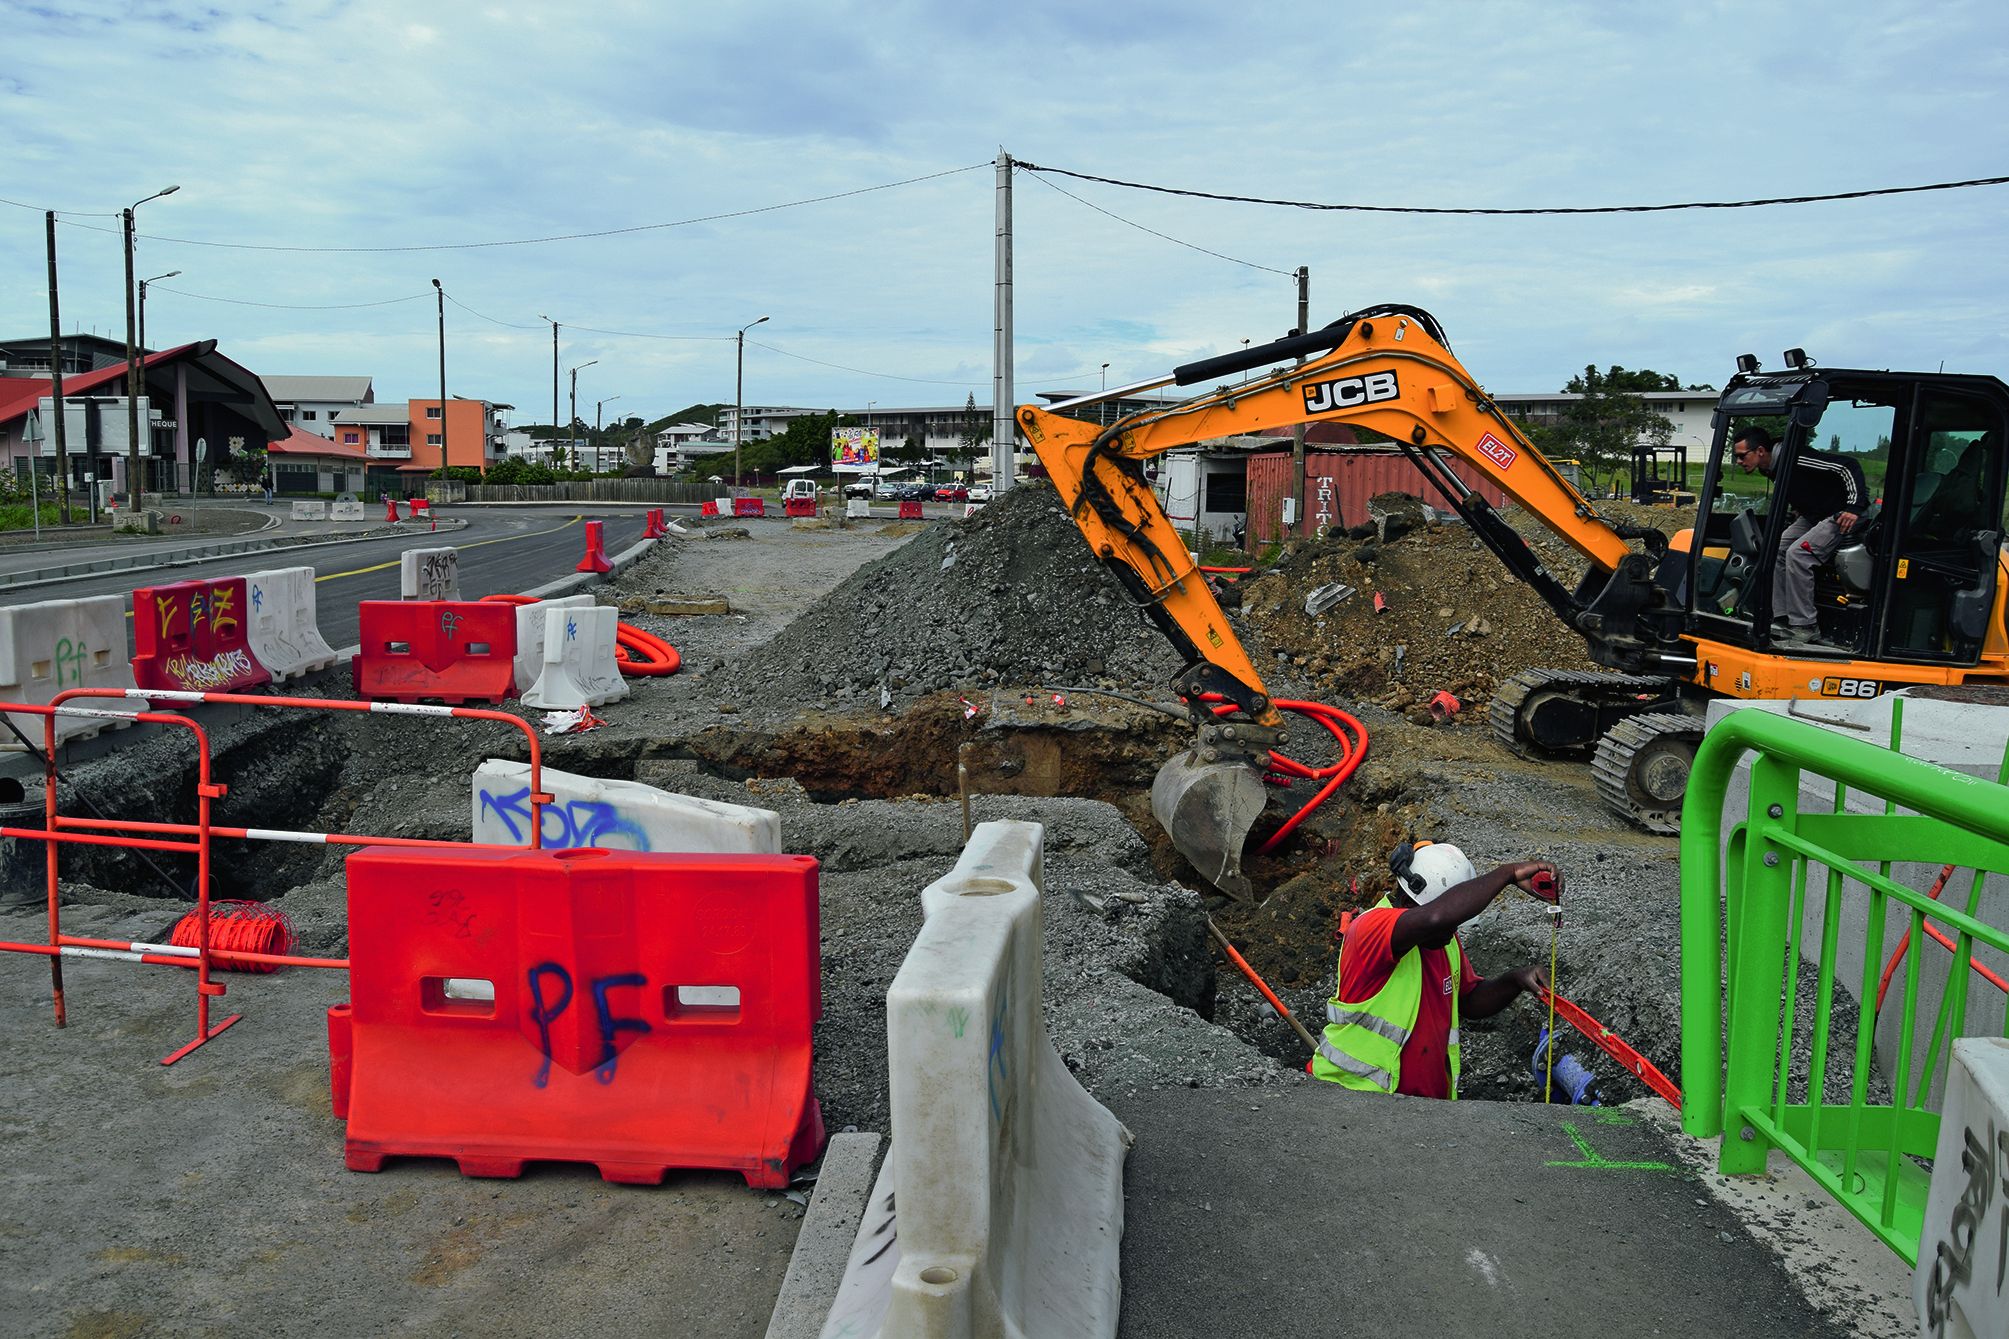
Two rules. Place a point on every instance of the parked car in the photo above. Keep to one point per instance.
(980, 492)
(952, 493)
(861, 488)
(917, 493)
(887, 490)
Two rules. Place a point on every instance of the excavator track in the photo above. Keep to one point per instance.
(1591, 703)
(1641, 767)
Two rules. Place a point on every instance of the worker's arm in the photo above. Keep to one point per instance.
(1433, 925)
(1495, 993)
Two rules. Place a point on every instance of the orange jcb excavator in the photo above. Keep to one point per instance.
(1915, 597)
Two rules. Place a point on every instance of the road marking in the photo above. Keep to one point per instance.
(1595, 1161)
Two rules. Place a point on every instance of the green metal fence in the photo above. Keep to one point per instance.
(1779, 886)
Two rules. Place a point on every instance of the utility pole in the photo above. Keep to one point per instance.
(1297, 433)
(1004, 432)
(554, 373)
(135, 462)
(739, 400)
(444, 458)
(56, 388)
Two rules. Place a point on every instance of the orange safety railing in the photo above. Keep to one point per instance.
(197, 837)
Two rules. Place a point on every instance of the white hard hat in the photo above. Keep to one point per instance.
(1434, 869)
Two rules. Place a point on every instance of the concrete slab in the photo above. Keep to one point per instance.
(824, 1242)
(1317, 1212)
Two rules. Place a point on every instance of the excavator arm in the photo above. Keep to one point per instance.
(1387, 369)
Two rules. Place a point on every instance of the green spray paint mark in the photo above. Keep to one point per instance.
(1596, 1161)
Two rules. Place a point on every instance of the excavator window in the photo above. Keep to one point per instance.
(1942, 579)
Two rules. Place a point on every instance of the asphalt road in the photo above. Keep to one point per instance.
(508, 551)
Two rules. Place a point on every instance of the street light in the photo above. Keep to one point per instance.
(575, 403)
(444, 458)
(143, 283)
(1102, 411)
(739, 400)
(597, 462)
(135, 479)
(554, 371)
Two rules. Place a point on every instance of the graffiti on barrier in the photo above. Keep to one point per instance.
(566, 824)
(73, 657)
(544, 1013)
(217, 671)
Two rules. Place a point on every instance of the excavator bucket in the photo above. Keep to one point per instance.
(1208, 809)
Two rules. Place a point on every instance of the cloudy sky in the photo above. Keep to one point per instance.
(331, 156)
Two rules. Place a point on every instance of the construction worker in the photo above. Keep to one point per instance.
(1404, 981)
(1826, 499)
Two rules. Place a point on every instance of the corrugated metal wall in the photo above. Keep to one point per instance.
(1337, 485)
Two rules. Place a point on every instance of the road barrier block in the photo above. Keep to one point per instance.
(750, 506)
(390, 509)
(345, 509)
(1966, 1175)
(442, 650)
(193, 636)
(653, 528)
(858, 509)
(421, 507)
(614, 815)
(310, 511)
(579, 668)
(971, 508)
(1008, 1175)
(596, 549)
(708, 509)
(638, 1012)
(55, 645)
(910, 511)
(429, 574)
(530, 636)
(284, 633)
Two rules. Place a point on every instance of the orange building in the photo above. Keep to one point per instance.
(407, 439)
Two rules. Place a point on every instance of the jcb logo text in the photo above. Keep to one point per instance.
(1323, 397)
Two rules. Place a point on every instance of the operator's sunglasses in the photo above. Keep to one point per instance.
(1740, 455)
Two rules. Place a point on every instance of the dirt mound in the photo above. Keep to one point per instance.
(1010, 596)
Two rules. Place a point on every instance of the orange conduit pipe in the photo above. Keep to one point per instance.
(1939, 937)
(1346, 731)
(639, 654)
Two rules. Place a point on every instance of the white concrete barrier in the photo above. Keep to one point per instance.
(614, 815)
(349, 510)
(283, 631)
(309, 511)
(1002, 1196)
(579, 669)
(1958, 1284)
(530, 636)
(857, 509)
(55, 645)
(429, 574)
(971, 508)
(725, 506)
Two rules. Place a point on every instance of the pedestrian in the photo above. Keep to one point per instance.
(1404, 982)
(265, 483)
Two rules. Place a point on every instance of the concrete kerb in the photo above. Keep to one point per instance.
(823, 1244)
(578, 581)
(150, 562)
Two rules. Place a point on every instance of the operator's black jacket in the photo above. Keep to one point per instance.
(1825, 483)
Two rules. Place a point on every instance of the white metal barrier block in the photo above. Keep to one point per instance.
(1003, 1193)
(857, 509)
(530, 636)
(429, 574)
(283, 632)
(55, 645)
(579, 668)
(614, 815)
(1959, 1285)
(310, 511)
(348, 510)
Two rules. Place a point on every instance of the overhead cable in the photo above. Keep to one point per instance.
(864, 372)
(1190, 246)
(1549, 209)
(556, 237)
(284, 306)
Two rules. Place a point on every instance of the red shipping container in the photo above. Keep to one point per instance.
(190, 636)
(1337, 485)
(636, 1011)
(451, 651)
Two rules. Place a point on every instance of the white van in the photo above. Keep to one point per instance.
(799, 490)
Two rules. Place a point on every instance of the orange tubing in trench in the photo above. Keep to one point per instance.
(639, 654)
(1348, 733)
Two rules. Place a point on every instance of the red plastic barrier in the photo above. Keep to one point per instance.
(636, 1011)
(442, 650)
(749, 506)
(596, 550)
(798, 506)
(710, 508)
(390, 509)
(656, 528)
(190, 636)
(910, 511)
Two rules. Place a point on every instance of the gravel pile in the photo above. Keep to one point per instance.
(1010, 596)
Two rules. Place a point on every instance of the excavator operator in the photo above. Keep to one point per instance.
(1404, 981)
(1826, 498)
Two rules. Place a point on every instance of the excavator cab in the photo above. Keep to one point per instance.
(1915, 580)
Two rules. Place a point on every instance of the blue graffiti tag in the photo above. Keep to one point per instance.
(610, 1025)
(995, 1067)
(568, 824)
(544, 1015)
(571, 630)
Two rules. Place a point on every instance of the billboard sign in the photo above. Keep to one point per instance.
(855, 449)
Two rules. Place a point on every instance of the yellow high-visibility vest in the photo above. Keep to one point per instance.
(1362, 1044)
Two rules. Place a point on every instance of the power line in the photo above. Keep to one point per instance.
(1553, 209)
(62, 213)
(511, 325)
(284, 306)
(556, 237)
(638, 334)
(864, 372)
(1190, 246)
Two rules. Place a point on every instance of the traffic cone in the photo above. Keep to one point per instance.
(596, 551)
(390, 508)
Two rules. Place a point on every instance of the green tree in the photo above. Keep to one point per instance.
(1608, 418)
